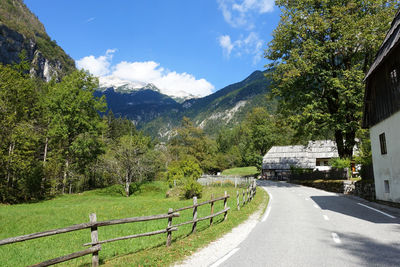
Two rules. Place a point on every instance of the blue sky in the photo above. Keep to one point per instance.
(194, 46)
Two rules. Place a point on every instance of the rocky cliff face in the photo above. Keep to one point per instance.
(20, 30)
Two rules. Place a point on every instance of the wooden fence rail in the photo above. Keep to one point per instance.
(93, 224)
(82, 253)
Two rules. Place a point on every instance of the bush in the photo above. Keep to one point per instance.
(114, 190)
(183, 171)
(339, 163)
(193, 188)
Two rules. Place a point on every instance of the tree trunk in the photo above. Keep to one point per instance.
(339, 143)
(45, 150)
(10, 152)
(345, 147)
(127, 185)
(65, 178)
(350, 143)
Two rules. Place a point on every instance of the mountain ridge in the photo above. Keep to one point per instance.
(158, 114)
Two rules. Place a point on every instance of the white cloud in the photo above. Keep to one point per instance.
(260, 6)
(226, 44)
(249, 45)
(97, 66)
(90, 19)
(138, 71)
(240, 13)
(138, 74)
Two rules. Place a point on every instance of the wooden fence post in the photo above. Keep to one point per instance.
(244, 197)
(247, 195)
(225, 206)
(212, 209)
(95, 238)
(169, 233)
(250, 190)
(237, 200)
(194, 214)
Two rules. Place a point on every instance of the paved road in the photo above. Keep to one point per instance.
(309, 227)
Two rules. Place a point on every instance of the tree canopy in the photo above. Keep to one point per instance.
(320, 53)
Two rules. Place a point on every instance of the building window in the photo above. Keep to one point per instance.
(386, 183)
(318, 164)
(382, 141)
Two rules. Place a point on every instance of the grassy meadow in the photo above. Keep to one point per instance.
(151, 199)
(242, 171)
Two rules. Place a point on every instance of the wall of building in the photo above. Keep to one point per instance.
(387, 167)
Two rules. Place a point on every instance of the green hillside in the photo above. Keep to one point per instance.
(22, 31)
(225, 108)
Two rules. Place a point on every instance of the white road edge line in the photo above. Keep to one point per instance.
(384, 213)
(224, 258)
(336, 238)
(326, 217)
(307, 198)
(316, 206)
(264, 218)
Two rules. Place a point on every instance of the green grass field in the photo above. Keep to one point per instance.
(243, 171)
(73, 209)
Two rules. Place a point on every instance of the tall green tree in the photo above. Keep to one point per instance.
(20, 169)
(192, 142)
(320, 53)
(132, 159)
(75, 125)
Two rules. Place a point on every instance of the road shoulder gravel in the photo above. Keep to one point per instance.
(217, 249)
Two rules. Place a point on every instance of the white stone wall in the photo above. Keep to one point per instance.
(387, 167)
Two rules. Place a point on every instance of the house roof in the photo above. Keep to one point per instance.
(391, 39)
(282, 157)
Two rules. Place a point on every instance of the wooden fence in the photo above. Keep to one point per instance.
(93, 224)
(248, 195)
(207, 180)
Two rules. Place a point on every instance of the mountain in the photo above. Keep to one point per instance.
(158, 114)
(229, 105)
(140, 105)
(21, 30)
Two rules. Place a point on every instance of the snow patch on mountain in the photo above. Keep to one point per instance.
(115, 82)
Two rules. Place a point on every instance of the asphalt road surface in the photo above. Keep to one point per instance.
(309, 227)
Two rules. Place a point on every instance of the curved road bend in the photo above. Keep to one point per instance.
(309, 227)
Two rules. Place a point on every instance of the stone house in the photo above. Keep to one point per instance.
(315, 155)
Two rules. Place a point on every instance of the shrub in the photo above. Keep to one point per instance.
(340, 163)
(182, 171)
(114, 190)
(192, 188)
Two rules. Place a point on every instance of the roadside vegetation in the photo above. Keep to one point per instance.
(110, 203)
